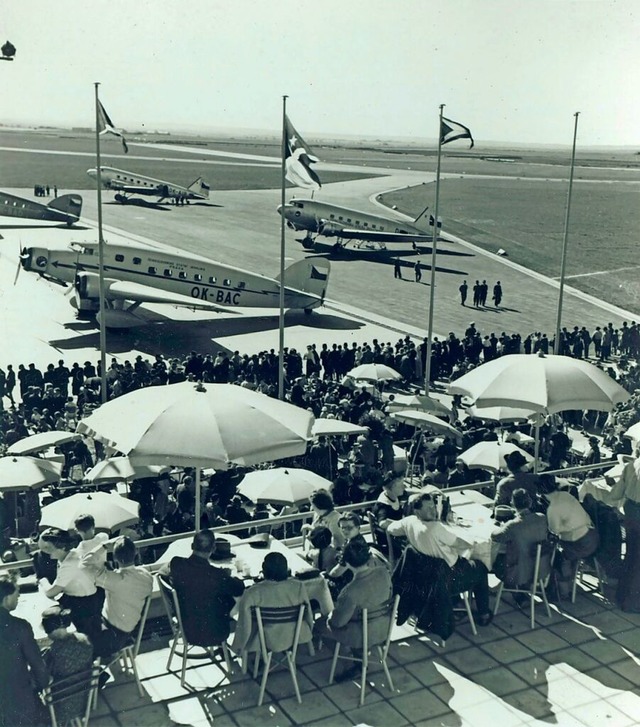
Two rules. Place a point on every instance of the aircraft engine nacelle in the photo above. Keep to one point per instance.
(87, 286)
(330, 229)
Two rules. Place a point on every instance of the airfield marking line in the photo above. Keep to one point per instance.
(540, 277)
(601, 272)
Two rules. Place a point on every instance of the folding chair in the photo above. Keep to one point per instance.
(291, 615)
(383, 648)
(381, 538)
(464, 595)
(544, 553)
(170, 599)
(578, 576)
(82, 685)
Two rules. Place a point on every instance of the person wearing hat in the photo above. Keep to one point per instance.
(69, 653)
(276, 590)
(516, 479)
(206, 593)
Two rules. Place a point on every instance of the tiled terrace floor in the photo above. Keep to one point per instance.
(580, 667)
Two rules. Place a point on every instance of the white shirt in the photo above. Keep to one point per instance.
(125, 592)
(85, 546)
(429, 538)
(73, 577)
(566, 516)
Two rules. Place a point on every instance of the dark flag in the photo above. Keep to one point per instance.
(298, 159)
(452, 130)
(105, 126)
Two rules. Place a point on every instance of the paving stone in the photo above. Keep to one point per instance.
(602, 714)
(151, 715)
(609, 622)
(376, 715)
(404, 652)
(426, 672)
(345, 695)
(533, 671)
(403, 682)
(419, 705)
(267, 715)
(507, 650)
(573, 632)
(499, 681)
(609, 679)
(532, 703)
(541, 640)
(627, 702)
(605, 651)
(629, 639)
(314, 706)
(470, 661)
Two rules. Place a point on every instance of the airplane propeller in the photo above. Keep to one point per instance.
(22, 255)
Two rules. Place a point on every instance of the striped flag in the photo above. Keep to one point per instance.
(298, 159)
(452, 130)
(105, 126)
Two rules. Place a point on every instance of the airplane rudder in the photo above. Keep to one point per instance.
(70, 204)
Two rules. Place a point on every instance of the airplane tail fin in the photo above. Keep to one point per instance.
(199, 187)
(68, 204)
(310, 275)
(421, 215)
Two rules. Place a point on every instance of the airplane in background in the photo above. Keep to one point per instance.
(135, 274)
(66, 208)
(347, 224)
(125, 183)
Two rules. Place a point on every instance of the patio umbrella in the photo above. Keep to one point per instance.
(116, 469)
(500, 413)
(543, 383)
(111, 511)
(196, 425)
(540, 383)
(423, 420)
(633, 432)
(419, 402)
(374, 372)
(281, 486)
(42, 440)
(491, 455)
(27, 473)
(331, 427)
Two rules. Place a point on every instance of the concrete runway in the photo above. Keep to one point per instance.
(242, 228)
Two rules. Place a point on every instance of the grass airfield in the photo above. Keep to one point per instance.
(239, 226)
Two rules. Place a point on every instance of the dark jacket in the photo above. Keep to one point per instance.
(206, 596)
(520, 536)
(423, 585)
(22, 671)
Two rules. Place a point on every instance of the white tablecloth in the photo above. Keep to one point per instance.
(472, 524)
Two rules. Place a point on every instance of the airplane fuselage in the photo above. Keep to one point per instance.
(12, 206)
(330, 220)
(206, 282)
(120, 180)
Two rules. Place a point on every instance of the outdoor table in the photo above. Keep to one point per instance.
(598, 489)
(30, 608)
(472, 524)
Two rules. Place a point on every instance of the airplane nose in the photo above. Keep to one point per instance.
(92, 172)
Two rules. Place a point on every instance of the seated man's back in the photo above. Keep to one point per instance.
(206, 596)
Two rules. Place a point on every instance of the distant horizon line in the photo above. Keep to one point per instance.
(197, 131)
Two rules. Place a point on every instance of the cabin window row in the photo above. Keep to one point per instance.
(169, 273)
(340, 218)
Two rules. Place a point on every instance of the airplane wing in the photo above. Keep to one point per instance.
(157, 191)
(358, 234)
(124, 290)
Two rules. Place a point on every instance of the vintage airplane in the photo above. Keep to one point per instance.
(66, 208)
(125, 183)
(347, 224)
(134, 275)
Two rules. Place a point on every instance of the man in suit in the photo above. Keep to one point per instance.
(370, 589)
(519, 536)
(205, 593)
(21, 665)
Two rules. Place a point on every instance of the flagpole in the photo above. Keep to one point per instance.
(565, 238)
(434, 245)
(103, 333)
(282, 228)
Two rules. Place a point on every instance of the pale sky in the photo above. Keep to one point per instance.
(511, 70)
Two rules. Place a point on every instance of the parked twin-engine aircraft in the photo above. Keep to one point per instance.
(134, 275)
(346, 224)
(65, 209)
(127, 183)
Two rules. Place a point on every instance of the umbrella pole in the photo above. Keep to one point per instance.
(196, 526)
(536, 451)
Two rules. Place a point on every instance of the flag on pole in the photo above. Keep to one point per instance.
(105, 126)
(298, 159)
(452, 130)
